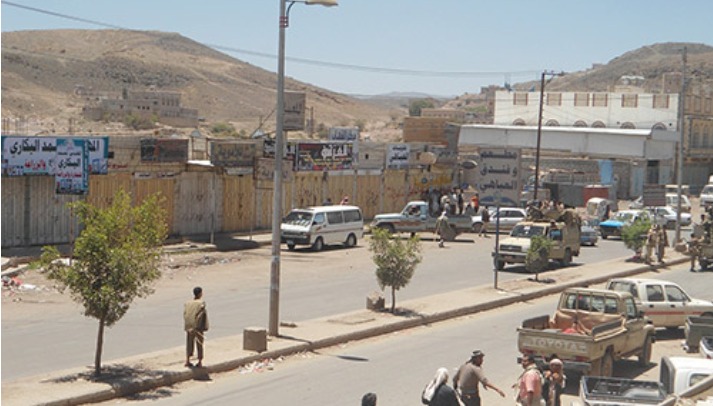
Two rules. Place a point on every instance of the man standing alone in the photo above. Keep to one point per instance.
(195, 319)
(466, 380)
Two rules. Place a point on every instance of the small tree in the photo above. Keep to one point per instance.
(634, 235)
(537, 258)
(415, 107)
(395, 260)
(116, 259)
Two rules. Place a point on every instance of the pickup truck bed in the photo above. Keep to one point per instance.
(620, 391)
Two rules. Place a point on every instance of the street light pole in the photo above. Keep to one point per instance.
(274, 322)
(679, 157)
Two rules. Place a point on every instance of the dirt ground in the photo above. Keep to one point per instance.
(33, 294)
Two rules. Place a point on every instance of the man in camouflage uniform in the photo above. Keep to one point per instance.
(651, 242)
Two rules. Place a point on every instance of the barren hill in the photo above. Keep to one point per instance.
(42, 69)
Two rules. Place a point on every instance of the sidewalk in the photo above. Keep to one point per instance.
(163, 368)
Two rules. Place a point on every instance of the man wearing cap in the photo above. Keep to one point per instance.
(530, 383)
(466, 380)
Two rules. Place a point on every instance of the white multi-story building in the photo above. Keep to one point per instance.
(588, 109)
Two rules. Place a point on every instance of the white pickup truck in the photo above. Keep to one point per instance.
(590, 330)
(415, 218)
(664, 302)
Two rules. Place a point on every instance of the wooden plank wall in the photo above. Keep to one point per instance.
(33, 215)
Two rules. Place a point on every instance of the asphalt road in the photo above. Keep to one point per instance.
(57, 336)
(396, 367)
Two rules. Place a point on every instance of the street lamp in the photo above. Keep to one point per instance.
(273, 328)
(539, 126)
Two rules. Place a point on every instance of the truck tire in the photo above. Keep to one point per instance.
(499, 264)
(606, 366)
(318, 244)
(291, 247)
(645, 354)
(388, 227)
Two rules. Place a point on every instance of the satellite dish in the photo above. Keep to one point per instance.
(469, 164)
(427, 158)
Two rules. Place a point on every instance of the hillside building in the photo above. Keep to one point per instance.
(162, 106)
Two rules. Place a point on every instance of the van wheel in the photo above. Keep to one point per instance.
(318, 244)
(351, 241)
(567, 260)
(645, 354)
(291, 247)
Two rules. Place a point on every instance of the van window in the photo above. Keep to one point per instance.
(352, 215)
(654, 293)
(335, 217)
(319, 218)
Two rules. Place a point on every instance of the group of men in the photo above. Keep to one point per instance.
(656, 239)
(533, 387)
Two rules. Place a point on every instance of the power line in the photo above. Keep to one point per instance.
(335, 65)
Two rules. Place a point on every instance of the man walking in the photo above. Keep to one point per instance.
(466, 380)
(530, 383)
(195, 319)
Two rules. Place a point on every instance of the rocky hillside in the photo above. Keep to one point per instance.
(42, 69)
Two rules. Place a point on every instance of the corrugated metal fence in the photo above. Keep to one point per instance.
(200, 202)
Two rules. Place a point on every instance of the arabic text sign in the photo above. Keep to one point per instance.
(72, 171)
(265, 169)
(38, 155)
(164, 150)
(397, 156)
(499, 174)
(232, 154)
(328, 156)
(343, 134)
(294, 118)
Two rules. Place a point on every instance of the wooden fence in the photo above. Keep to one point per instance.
(200, 202)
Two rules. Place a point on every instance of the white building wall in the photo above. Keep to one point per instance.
(613, 115)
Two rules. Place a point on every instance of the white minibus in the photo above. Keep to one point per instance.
(322, 225)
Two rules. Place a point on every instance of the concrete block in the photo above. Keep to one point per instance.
(375, 301)
(255, 339)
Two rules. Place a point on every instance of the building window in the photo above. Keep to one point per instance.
(707, 105)
(554, 99)
(581, 99)
(599, 99)
(629, 100)
(520, 99)
(580, 123)
(552, 123)
(598, 124)
(660, 101)
(697, 104)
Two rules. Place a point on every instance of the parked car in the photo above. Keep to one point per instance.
(613, 226)
(589, 234)
(664, 302)
(666, 216)
(706, 196)
(509, 216)
(672, 200)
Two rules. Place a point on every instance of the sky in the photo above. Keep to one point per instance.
(370, 47)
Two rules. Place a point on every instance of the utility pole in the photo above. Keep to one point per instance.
(539, 126)
(679, 168)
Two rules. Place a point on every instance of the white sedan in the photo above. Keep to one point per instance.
(666, 215)
(509, 216)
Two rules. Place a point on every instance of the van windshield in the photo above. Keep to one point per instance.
(298, 218)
